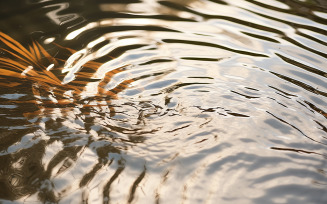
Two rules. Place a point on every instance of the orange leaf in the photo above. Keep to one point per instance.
(17, 56)
(11, 84)
(31, 50)
(16, 46)
(66, 48)
(47, 55)
(5, 72)
(37, 52)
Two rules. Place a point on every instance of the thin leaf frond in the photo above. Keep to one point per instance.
(5, 72)
(37, 52)
(13, 44)
(17, 56)
(72, 51)
(46, 54)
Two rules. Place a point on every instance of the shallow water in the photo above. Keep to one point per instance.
(225, 103)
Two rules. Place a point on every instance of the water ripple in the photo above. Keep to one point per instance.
(165, 102)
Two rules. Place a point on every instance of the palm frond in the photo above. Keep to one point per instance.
(12, 84)
(5, 72)
(16, 46)
(36, 51)
(46, 54)
(16, 56)
(29, 64)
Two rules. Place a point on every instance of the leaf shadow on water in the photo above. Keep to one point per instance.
(60, 130)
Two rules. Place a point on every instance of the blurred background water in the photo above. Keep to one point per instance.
(225, 103)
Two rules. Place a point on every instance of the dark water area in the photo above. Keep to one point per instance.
(191, 101)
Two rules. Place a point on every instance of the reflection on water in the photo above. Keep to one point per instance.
(165, 102)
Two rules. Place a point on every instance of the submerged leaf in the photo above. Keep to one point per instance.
(6, 72)
(47, 87)
(13, 44)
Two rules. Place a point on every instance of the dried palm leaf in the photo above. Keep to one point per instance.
(28, 64)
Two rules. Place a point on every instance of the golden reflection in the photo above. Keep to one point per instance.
(36, 66)
(67, 130)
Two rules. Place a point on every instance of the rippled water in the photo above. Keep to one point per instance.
(201, 101)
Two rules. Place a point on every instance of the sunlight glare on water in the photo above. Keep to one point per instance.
(188, 101)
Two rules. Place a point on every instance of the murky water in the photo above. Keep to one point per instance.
(200, 101)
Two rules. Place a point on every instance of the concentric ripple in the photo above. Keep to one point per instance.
(200, 101)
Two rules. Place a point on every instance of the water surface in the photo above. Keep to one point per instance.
(205, 101)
